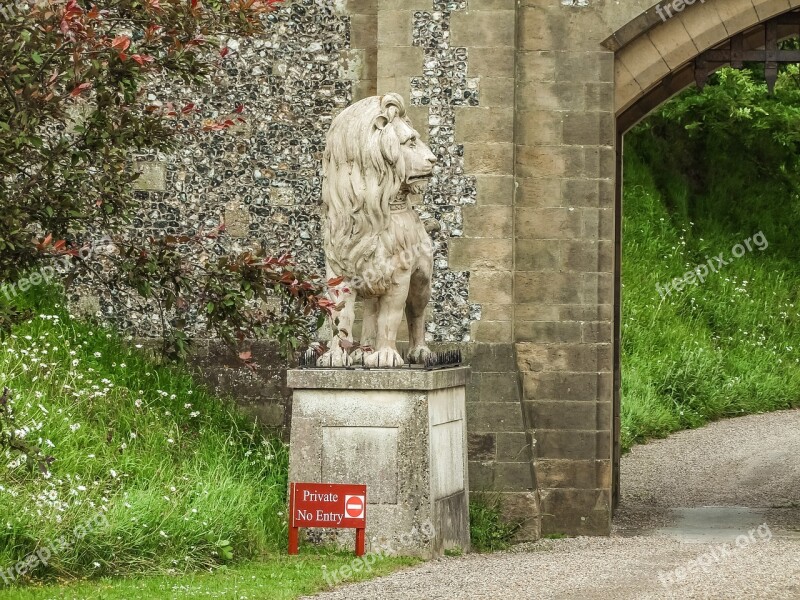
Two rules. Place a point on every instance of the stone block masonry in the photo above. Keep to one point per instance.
(564, 257)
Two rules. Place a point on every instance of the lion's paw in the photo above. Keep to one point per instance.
(335, 357)
(385, 357)
(357, 356)
(418, 355)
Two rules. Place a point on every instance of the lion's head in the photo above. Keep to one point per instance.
(373, 156)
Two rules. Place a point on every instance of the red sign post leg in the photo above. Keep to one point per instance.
(360, 540)
(294, 541)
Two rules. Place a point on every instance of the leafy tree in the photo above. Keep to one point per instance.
(73, 109)
(739, 145)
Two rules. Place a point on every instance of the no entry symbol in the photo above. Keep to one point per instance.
(354, 507)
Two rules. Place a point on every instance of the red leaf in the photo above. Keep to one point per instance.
(142, 58)
(239, 109)
(188, 108)
(224, 52)
(121, 43)
(80, 89)
(336, 281)
(45, 242)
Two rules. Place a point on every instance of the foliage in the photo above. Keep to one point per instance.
(183, 480)
(725, 138)
(489, 530)
(706, 172)
(75, 78)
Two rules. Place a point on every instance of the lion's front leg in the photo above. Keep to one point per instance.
(419, 295)
(390, 314)
(369, 329)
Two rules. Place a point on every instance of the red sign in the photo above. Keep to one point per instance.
(338, 505)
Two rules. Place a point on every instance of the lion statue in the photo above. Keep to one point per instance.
(376, 247)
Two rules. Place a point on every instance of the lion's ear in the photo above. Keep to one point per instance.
(380, 122)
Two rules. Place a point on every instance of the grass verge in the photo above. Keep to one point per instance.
(279, 578)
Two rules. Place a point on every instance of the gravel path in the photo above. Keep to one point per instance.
(661, 526)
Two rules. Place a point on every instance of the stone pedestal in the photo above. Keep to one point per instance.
(402, 432)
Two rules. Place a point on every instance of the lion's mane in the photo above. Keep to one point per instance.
(363, 172)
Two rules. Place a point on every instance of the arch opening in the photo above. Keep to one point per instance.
(759, 42)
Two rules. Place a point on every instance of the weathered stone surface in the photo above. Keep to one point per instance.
(492, 62)
(559, 473)
(491, 332)
(566, 386)
(572, 444)
(513, 446)
(576, 511)
(408, 443)
(568, 415)
(152, 176)
(491, 286)
(489, 158)
(237, 220)
(495, 189)
(380, 379)
(377, 449)
(482, 446)
(483, 28)
(483, 253)
(499, 387)
(486, 417)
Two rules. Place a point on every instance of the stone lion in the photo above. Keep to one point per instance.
(374, 240)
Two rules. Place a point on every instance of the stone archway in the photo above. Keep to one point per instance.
(656, 59)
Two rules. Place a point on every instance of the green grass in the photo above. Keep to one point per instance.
(489, 531)
(279, 578)
(161, 473)
(729, 346)
(158, 489)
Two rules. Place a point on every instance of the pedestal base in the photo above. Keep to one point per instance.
(402, 432)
